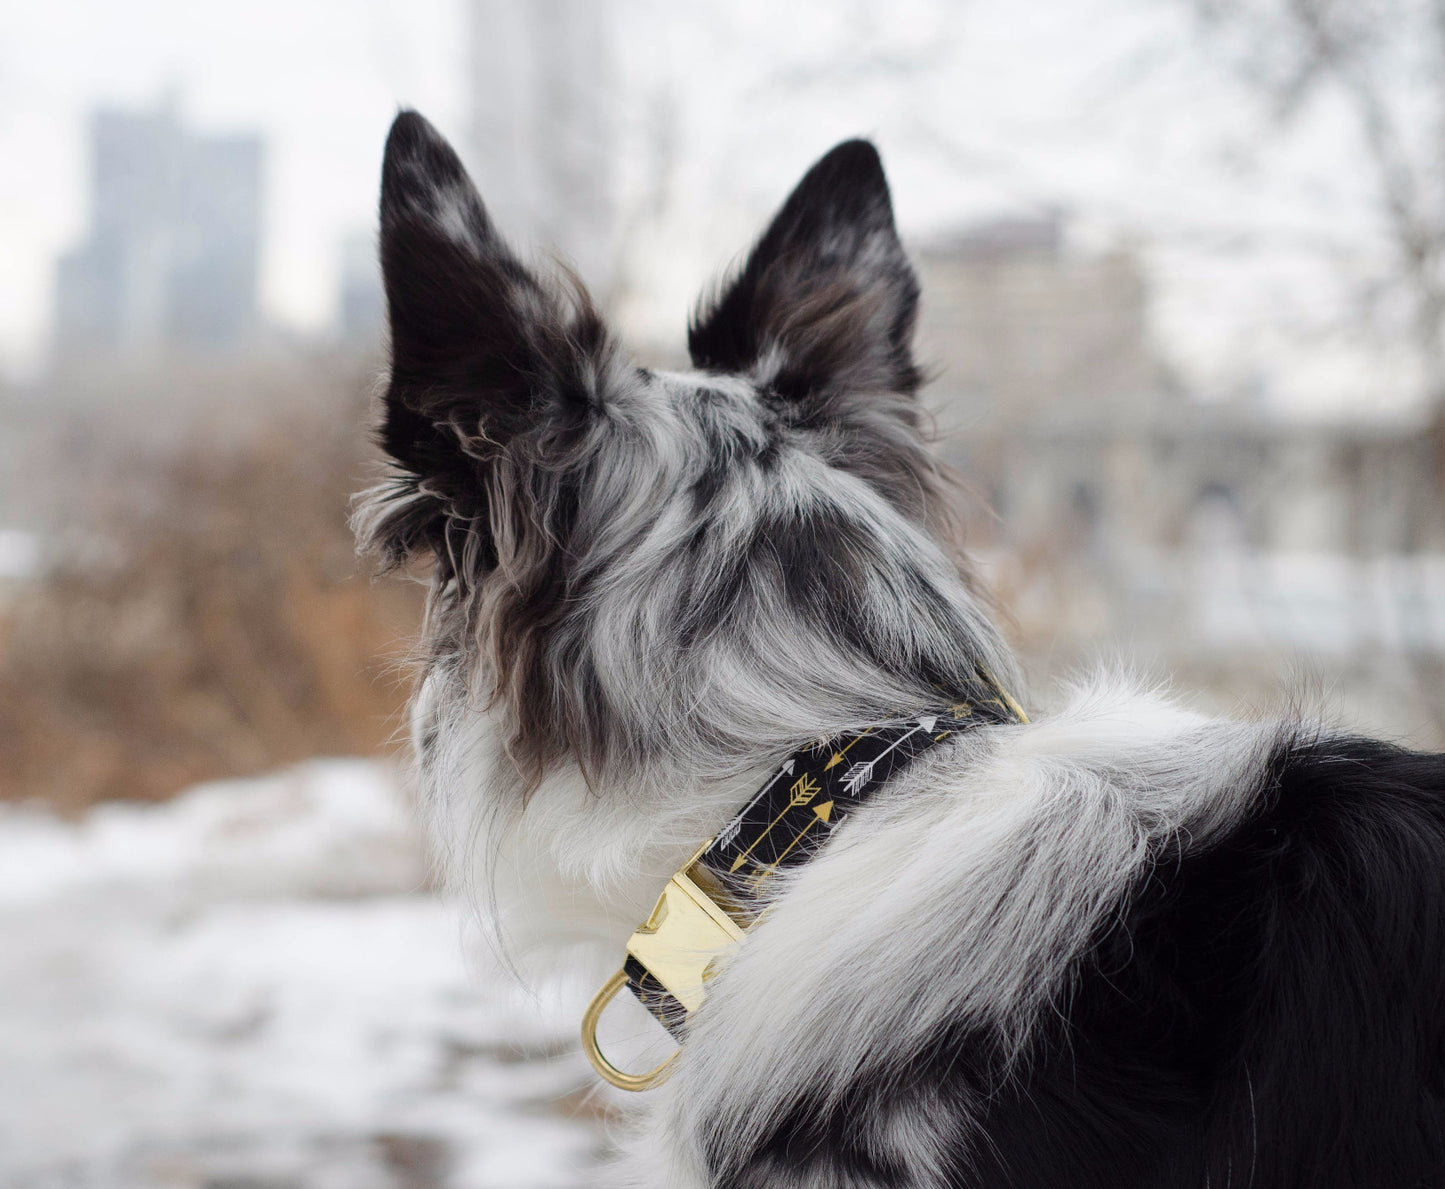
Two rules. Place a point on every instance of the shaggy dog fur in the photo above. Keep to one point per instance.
(1124, 946)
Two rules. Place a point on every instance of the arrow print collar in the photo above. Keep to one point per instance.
(705, 910)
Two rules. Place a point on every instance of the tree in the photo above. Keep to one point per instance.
(1384, 60)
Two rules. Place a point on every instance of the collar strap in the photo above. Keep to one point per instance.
(705, 910)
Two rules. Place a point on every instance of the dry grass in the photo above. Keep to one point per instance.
(210, 621)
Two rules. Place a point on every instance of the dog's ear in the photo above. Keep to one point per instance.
(487, 360)
(827, 300)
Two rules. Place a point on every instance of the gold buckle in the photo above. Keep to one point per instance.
(678, 945)
(686, 933)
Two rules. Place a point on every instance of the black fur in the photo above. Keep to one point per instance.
(507, 407)
(496, 390)
(828, 286)
(484, 356)
(1267, 1012)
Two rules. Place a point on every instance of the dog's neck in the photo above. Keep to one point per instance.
(583, 853)
(704, 911)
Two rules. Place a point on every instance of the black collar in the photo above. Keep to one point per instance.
(707, 907)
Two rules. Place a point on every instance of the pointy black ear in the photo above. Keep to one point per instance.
(827, 299)
(485, 356)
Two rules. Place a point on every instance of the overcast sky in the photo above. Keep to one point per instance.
(1114, 110)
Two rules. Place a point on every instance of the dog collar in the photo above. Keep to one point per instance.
(706, 909)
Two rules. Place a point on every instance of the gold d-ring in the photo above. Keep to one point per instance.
(605, 1069)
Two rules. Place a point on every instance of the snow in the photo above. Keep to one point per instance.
(252, 987)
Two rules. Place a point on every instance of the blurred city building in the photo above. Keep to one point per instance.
(1021, 330)
(172, 257)
(544, 125)
(1128, 507)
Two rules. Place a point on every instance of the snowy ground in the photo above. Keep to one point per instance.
(249, 989)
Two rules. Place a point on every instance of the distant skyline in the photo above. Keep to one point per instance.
(1110, 110)
(319, 80)
(173, 253)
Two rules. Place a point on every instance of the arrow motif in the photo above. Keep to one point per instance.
(732, 901)
(724, 837)
(838, 755)
(821, 813)
(785, 770)
(804, 789)
(860, 774)
(729, 832)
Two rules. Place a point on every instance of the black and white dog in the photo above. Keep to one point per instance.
(1122, 946)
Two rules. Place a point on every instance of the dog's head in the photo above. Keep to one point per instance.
(633, 568)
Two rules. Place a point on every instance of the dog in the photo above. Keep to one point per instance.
(1121, 946)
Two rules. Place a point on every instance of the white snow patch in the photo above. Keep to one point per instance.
(250, 986)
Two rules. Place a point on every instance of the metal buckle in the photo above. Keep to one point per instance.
(678, 945)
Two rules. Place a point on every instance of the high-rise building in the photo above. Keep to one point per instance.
(171, 261)
(544, 124)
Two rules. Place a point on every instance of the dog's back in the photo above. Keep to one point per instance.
(1121, 947)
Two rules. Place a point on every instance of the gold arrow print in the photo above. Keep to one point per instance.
(822, 813)
(838, 755)
(804, 789)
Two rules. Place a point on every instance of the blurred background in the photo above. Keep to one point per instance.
(1184, 295)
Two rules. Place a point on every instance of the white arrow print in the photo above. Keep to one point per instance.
(785, 770)
(725, 836)
(860, 773)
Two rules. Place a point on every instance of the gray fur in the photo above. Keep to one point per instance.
(649, 586)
